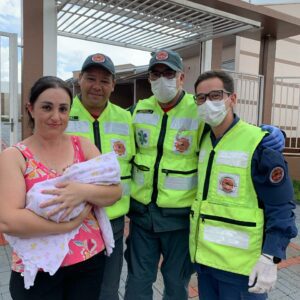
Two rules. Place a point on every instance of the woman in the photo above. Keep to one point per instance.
(42, 156)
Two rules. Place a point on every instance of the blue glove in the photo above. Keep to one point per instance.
(275, 140)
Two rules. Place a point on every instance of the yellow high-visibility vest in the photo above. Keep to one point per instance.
(111, 132)
(165, 165)
(226, 223)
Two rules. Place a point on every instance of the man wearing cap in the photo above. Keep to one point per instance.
(167, 132)
(110, 128)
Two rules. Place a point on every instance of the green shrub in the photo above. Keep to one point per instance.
(297, 190)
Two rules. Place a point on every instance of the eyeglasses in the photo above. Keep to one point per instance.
(215, 95)
(169, 74)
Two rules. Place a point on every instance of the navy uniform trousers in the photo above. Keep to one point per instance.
(143, 253)
(113, 264)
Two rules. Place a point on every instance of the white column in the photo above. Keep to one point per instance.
(237, 54)
(206, 56)
(49, 38)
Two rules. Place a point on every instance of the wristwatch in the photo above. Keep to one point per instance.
(275, 260)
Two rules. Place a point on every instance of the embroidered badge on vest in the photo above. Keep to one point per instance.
(276, 175)
(182, 144)
(228, 184)
(119, 147)
(142, 137)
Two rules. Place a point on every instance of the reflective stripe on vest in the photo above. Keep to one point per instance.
(116, 128)
(184, 124)
(149, 119)
(180, 184)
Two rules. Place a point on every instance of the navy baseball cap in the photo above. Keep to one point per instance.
(166, 57)
(99, 60)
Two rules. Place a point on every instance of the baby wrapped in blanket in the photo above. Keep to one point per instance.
(48, 252)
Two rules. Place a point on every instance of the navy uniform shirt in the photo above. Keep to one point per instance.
(275, 193)
(152, 217)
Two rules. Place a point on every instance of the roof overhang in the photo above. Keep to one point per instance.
(273, 23)
(149, 24)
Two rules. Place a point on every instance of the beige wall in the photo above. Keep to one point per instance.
(191, 67)
(247, 56)
(288, 57)
(290, 9)
(294, 166)
(287, 51)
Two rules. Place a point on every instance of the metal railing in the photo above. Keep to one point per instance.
(285, 105)
(249, 96)
(286, 110)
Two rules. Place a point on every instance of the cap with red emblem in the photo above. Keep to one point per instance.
(166, 57)
(99, 60)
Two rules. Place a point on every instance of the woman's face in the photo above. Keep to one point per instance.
(51, 111)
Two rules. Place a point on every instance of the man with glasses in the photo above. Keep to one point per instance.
(164, 183)
(167, 132)
(241, 218)
(213, 95)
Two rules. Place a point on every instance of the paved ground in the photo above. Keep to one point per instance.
(288, 284)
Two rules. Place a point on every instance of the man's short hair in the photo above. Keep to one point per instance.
(227, 80)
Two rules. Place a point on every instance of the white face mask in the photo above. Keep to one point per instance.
(212, 112)
(164, 89)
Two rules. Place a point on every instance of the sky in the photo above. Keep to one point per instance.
(70, 52)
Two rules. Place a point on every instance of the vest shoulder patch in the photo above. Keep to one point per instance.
(276, 175)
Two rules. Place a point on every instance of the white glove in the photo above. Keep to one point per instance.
(265, 274)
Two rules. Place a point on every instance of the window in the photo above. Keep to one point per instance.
(228, 65)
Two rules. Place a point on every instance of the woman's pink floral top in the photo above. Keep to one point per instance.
(88, 240)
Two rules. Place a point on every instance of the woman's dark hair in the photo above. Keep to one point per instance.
(42, 84)
(227, 80)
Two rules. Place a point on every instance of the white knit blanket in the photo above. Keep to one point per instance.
(48, 252)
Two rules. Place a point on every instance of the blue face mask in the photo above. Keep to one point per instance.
(164, 89)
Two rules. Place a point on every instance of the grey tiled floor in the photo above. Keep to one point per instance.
(287, 287)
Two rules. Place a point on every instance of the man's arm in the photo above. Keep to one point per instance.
(275, 191)
(275, 194)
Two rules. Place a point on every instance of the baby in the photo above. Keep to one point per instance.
(48, 252)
